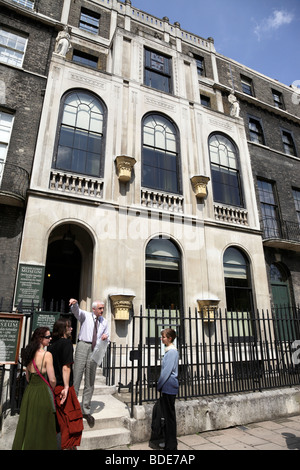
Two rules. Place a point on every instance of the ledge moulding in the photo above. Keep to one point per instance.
(121, 305)
(199, 183)
(125, 165)
(207, 307)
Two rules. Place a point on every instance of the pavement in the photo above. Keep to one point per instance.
(278, 434)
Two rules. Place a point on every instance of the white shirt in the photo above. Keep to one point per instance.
(87, 322)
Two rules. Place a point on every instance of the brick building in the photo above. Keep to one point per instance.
(27, 39)
(151, 184)
(271, 113)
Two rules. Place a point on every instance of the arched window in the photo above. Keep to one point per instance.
(80, 140)
(238, 292)
(160, 168)
(163, 284)
(225, 171)
(163, 274)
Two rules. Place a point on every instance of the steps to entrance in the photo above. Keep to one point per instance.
(109, 414)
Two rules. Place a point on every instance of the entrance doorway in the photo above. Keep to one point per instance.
(68, 269)
(282, 302)
(62, 275)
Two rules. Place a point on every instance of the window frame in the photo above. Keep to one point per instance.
(86, 58)
(26, 3)
(164, 74)
(205, 101)
(60, 124)
(259, 132)
(20, 51)
(4, 142)
(221, 172)
(157, 153)
(200, 64)
(247, 85)
(269, 208)
(278, 99)
(288, 145)
(86, 24)
(238, 291)
(296, 197)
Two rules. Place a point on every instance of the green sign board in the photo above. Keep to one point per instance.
(44, 319)
(10, 337)
(30, 284)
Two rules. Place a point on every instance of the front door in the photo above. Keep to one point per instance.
(282, 303)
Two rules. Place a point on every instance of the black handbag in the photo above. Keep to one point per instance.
(157, 427)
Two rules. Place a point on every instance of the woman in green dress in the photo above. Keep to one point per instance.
(36, 428)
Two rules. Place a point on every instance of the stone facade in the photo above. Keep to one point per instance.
(111, 221)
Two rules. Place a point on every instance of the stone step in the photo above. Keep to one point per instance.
(104, 438)
(100, 389)
(100, 386)
(108, 412)
(108, 431)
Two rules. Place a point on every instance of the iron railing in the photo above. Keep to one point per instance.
(220, 353)
(280, 229)
(14, 180)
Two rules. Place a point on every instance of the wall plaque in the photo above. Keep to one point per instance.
(47, 319)
(30, 284)
(10, 337)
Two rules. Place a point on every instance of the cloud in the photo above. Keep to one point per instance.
(273, 22)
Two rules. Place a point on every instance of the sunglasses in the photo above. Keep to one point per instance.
(47, 337)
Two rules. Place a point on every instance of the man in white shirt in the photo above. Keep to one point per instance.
(83, 362)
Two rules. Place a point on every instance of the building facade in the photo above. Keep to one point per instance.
(147, 187)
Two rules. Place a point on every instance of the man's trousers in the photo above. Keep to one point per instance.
(84, 365)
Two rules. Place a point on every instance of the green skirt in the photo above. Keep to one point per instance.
(36, 429)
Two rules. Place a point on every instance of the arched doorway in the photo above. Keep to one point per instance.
(68, 270)
(62, 275)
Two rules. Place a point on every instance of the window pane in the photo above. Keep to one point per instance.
(66, 137)
(79, 159)
(83, 116)
(64, 158)
(69, 115)
(96, 122)
(85, 59)
(93, 164)
(94, 143)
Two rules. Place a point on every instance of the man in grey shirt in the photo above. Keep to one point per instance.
(93, 328)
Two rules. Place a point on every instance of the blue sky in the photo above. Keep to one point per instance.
(261, 34)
